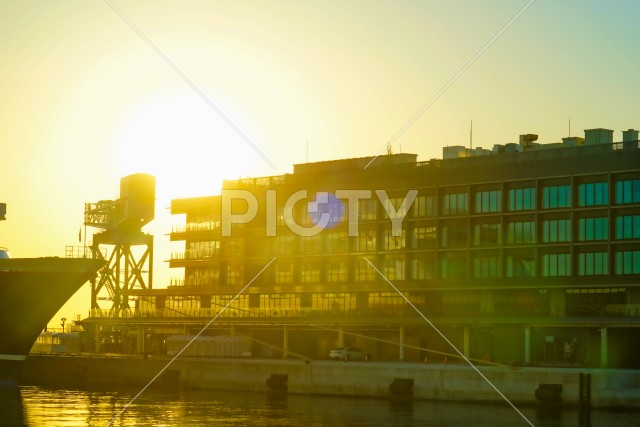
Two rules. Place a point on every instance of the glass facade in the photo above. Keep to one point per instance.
(423, 237)
(593, 264)
(455, 204)
(424, 206)
(628, 191)
(556, 265)
(557, 196)
(521, 233)
(556, 230)
(486, 234)
(593, 194)
(593, 229)
(628, 262)
(628, 227)
(486, 266)
(522, 199)
(488, 201)
(520, 266)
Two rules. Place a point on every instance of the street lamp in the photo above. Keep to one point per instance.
(64, 319)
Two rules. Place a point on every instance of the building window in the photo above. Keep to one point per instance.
(628, 262)
(486, 234)
(423, 237)
(236, 247)
(234, 274)
(455, 204)
(239, 306)
(285, 245)
(309, 272)
(284, 272)
(391, 242)
(557, 196)
(385, 300)
(334, 301)
(522, 199)
(202, 276)
(488, 201)
(454, 235)
(422, 267)
(199, 250)
(628, 227)
(363, 272)
(424, 206)
(593, 264)
(521, 266)
(628, 191)
(554, 265)
(394, 268)
(593, 229)
(337, 271)
(365, 241)
(337, 242)
(453, 266)
(556, 230)
(396, 204)
(279, 304)
(521, 233)
(593, 194)
(367, 210)
(486, 267)
(311, 244)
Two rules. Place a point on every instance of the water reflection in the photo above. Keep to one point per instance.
(39, 407)
(11, 407)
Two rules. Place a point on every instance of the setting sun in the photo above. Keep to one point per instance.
(185, 144)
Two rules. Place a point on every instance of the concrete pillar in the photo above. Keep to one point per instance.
(140, 340)
(340, 336)
(486, 302)
(527, 344)
(285, 344)
(557, 300)
(401, 356)
(465, 341)
(97, 337)
(603, 348)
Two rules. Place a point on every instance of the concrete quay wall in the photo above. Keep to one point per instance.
(453, 382)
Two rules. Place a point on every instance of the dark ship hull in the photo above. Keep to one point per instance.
(32, 290)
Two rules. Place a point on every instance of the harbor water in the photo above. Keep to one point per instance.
(40, 406)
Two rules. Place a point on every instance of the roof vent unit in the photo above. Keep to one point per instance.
(598, 136)
(528, 140)
(572, 141)
(629, 135)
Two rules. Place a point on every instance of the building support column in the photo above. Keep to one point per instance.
(285, 344)
(465, 341)
(604, 353)
(140, 340)
(527, 345)
(401, 355)
(340, 336)
(97, 338)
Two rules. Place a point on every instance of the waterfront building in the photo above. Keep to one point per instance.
(526, 253)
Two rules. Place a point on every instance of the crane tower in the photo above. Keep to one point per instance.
(128, 251)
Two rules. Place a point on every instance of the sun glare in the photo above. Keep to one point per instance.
(185, 144)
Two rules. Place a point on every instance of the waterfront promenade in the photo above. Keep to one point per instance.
(451, 382)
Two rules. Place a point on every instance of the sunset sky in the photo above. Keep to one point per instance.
(86, 100)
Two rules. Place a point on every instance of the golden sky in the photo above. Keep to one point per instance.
(86, 100)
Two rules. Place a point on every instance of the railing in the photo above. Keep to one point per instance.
(611, 310)
(81, 252)
(194, 254)
(196, 226)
